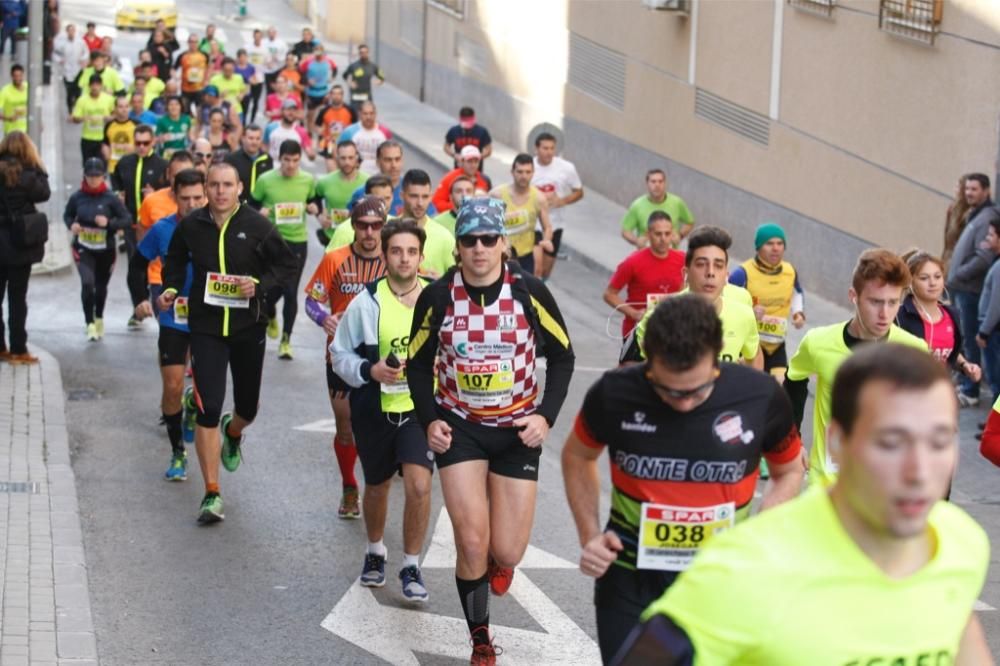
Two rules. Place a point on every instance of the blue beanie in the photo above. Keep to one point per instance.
(766, 232)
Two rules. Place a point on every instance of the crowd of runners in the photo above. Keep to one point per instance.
(434, 301)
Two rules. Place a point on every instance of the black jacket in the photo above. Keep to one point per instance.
(244, 166)
(252, 246)
(154, 170)
(32, 187)
(83, 208)
(908, 318)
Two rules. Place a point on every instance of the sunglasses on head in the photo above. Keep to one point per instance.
(488, 240)
(373, 226)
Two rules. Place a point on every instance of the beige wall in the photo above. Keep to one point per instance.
(872, 130)
(345, 21)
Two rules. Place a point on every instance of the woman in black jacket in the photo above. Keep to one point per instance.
(924, 314)
(94, 214)
(23, 183)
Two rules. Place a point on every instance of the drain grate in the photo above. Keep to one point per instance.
(29, 487)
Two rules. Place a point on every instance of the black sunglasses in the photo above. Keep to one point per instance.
(681, 394)
(488, 240)
(374, 226)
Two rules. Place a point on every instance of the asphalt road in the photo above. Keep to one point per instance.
(257, 588)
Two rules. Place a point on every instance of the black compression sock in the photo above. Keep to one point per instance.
(173, 423)
(475, 598)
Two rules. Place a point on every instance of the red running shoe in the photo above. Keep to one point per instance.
(500, 577)
(484, 654)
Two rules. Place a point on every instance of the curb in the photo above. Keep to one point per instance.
(57, 250)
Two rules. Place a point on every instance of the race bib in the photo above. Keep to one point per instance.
(288, 213)
(93, 123)
(340, 215)
(195, 74)
(772, 329)
(181, 310)
(397, 387)
(485, 384)
(93, 239)
(359, 97)
(517, 222)
(224, 291)
(670, 536)
(652, 300)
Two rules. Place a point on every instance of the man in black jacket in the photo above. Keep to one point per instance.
(250, 161)
(137, 175)
(237, 256)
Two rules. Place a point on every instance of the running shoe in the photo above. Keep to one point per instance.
(413, 584)
(272, 328)
(22, 359)
(285, 348)
(92, 333)
(100, 327)
(373, 571)
(134, 324)
(231, 456)
(211, 509)
(189, 414)
(178, 470)
(349, 507)
(500, 577)
(484, 654)
(765, 473)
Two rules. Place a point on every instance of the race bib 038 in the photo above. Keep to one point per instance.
(670, 536)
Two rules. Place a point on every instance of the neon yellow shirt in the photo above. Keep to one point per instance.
(231, 89)
(14, 105)
(737, 293)
(93, 112)
(740, 339)
(820, 353)
(439, 247)
(790, 587)
(394, 320)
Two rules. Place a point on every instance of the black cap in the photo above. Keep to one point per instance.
(94, 166)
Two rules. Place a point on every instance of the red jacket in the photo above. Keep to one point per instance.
(442, 196)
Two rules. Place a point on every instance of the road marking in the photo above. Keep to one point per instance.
(323, 425)
(396, 634)
(982, 606)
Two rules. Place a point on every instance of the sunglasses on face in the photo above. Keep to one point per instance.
(140, 144)
(681, 394)
(203, 156)
(488, 240)
(371, 226)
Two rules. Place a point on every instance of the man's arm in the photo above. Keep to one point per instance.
(630, 230)
(543, 218)
(570, 198)
(422, 354)
(175, 264)
(612, 298)
(583, 484)
(349, 365)
(782, 448)
(973, 649)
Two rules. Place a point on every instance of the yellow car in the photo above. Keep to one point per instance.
(143, 14)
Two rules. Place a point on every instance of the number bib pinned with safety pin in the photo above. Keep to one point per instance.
(670, 536)
(224, 291)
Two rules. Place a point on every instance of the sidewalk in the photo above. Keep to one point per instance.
(46, 617)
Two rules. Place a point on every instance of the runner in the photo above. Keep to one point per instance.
(706, 269)
(285, 195)
(111, 81)
(318, 71)
(558, 180)
(231, 86)
(191, 67)
(648, 274)
(368, 136)
(336, 189)
(389, 157)
(359, 76)
(287, 128)
(881, 537)
(469, 159)
(656, 198)
(275, 60)
(174, 131)
(273, 105)
(439, 248)
(237, 256)
(368, 352)
(332, 120)
(14, 102)
(93, 214)
(877, 286)
(478, 331)
(462, 188)
(136, 176)
(188, 187)
(250, 160)
(525, 206)
(118, 135)
(257, 54)
(93, 110)
(467, 133)
(774, 285)
(685, 437)
(341, 275)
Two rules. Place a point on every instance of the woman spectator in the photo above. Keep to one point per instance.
(925, 315)
(94, 214)
(955, 220)
(24, 183)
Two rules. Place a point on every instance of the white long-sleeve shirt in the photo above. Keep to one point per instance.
(73, 55)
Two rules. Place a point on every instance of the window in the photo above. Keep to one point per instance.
(914, 19)
(454, 7)
(820, 7)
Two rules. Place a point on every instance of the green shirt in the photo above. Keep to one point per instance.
(173, 134)
(637, 216)
(286, 199)
(820, 353)
(109, 78)
(94, 113)
(231, 89)
(154, 88)
(14, 105)
(829, 603)
(439, 248)
(447, 220)
(336, 192)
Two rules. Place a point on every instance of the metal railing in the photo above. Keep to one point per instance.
(913, 19)
(820, 7)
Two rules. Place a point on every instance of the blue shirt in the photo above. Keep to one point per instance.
(154, 246)
(322, 72)
(397, 201)
(145, 118)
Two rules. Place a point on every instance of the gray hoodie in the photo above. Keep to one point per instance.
(970, 261)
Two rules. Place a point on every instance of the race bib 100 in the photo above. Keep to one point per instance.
(670, 536)
(772, 329)
(224, 291)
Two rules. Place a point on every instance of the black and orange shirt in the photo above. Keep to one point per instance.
(679, 478)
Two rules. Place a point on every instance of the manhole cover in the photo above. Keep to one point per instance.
(81, 394)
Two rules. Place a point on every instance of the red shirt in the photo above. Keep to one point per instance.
(442, 196)
(646, 274)
(940, 336)
(93, 42)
